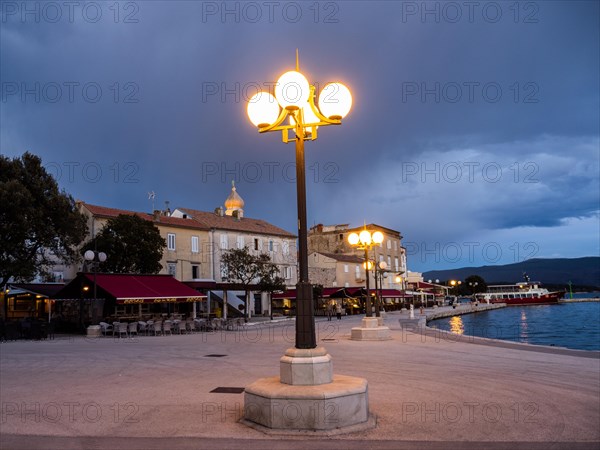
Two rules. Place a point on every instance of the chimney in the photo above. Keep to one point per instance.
(219, 211)
(156, 215)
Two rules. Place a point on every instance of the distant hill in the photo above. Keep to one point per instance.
(556, 271)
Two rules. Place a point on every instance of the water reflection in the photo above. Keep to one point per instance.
(456, 325)
(524, 328)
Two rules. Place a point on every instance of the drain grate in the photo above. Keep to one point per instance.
(214, 355)
(228, 390)
(329, 339)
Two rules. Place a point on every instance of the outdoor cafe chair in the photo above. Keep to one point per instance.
(157, 327)
(167, 327)
(189, 326)
(122, 328)
(177, 326)
(105, 328)
(143, 327)
(132, 328)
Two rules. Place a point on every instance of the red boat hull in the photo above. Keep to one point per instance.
(552, 297)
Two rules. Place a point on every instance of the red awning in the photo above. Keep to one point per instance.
(394, 293)
(128, 289)
(291, 293)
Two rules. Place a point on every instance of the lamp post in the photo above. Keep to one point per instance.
(306, 367)
(295, 99)
(94, 258)
(365, 240)
(380, 273)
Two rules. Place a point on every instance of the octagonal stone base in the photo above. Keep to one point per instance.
(342, 403)
(304, 367)
(370, 331)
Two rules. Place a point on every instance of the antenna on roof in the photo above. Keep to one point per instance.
(151, 196)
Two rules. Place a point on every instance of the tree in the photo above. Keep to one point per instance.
(132, 245)
(39, 224)
(475, 284)
(240, 266)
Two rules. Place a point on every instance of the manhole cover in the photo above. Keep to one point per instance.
(228, 390)
(214, 355)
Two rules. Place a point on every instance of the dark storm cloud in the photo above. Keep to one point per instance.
(513, 89)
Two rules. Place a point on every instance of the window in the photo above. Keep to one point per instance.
(255, 244)
(172, 268)
(389, 244)
(357, 270)
(395, 246)
(346, 284)
(240, 241)
(285, 248)
(341, 237)
(224, 271)
(287, 270)
(224, 243)
(396, 264)
(334, 284)
(271, 246)
(194, 244)
(345, 268)
(389, 262)
(195, 272)
(170, 241)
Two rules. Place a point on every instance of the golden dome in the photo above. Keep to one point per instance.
(234, 202)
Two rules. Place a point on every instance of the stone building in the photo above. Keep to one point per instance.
(332, 241)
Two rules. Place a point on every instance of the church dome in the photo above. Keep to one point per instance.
(234, 202)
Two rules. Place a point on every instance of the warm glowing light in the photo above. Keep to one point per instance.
(398, 279)
(368, 265)
(335, 101)
(382, 265)
(365, 237)
(292, 90)
(452, 282)
(353, 239)
(86, 288)
(263, 109)
(378, 237)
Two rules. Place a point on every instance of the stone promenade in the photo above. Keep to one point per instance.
(426, 390)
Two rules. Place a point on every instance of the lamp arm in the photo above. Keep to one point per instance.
(324, 120)
(282, 115)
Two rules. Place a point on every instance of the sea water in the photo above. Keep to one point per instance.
(571, 325)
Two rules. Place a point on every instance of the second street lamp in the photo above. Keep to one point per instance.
(365, 241)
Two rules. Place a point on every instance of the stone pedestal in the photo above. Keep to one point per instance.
(381, 318)
(307, 396)
(370, 331)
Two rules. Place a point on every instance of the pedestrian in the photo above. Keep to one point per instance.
(338, 311)
(329, 310)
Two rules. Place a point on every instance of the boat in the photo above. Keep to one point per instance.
(524, 293)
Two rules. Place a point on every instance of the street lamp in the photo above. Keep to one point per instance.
(93, 258)
(306, 371)
(380, 273)
(364, 241)
(295, 99)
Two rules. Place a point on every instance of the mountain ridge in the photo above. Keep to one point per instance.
(584, 271)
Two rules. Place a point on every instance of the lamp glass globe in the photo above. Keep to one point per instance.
(353, 239)
(335, 101)
(365, 237)
(292, 90)
(263, 109)
(378, 237)
(89, 255)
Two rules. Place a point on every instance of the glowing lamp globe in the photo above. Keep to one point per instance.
(89, 255)
(382, 265)
(335, 101)
(263, 109)
(101, 256)
(368, 265)
(378, 237)
(292, 90)
(365, 237)
(353, 239)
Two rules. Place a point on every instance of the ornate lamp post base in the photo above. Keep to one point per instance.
(307, 396)
(370, 330)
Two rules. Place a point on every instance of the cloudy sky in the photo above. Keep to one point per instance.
(474, 129)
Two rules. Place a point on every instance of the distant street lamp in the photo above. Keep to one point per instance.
(365, 240)
(295, 99)
(93, 258)
(380, 274)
